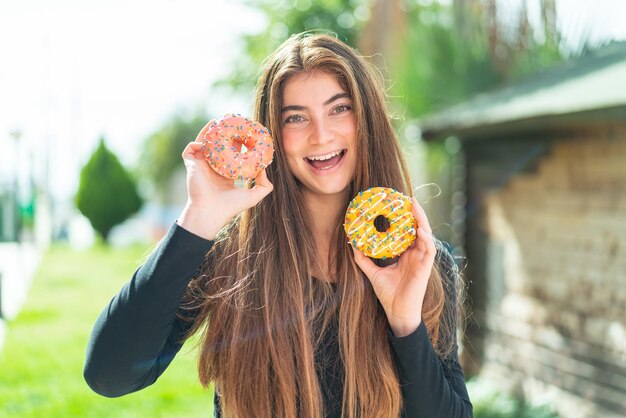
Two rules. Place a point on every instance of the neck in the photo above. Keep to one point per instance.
(324, 211)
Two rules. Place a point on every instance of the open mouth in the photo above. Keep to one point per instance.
(326, 162)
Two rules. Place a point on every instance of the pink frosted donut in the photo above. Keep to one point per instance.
(237, 147)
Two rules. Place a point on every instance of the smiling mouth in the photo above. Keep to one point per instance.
(326, 162)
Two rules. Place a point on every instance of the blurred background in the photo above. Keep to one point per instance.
(512, 114)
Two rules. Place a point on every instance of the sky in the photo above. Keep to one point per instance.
(73, 70)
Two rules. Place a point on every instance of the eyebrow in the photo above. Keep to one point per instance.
(327, 102)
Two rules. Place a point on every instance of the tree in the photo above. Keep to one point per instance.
(345, 18)
(163, 149)
(107, 194)
(433, 53)
(453, 51)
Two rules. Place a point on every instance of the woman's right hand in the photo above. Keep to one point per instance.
(213, 200)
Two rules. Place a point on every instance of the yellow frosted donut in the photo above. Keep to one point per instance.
(367, 206)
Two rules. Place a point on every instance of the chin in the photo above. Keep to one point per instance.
(329, 189)
(332, 184)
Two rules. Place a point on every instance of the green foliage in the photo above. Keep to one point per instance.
(430, 73)
(43, 355)
(345, 18)
(451, 50)
(284, 18)
(489, 402)
(163, 148)
(107, 194)
(451, 53)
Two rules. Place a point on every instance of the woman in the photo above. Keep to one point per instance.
(295, 322)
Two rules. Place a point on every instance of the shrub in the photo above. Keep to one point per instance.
(107, 194)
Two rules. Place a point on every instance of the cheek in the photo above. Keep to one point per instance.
(350, 131)
(353, 145)
(353, 137)
(289, 147)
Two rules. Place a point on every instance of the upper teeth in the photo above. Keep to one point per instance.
(325, 157)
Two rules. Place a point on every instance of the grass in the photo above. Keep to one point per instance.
(490, 402)
(42, 359)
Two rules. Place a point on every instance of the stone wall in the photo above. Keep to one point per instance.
(553, 310)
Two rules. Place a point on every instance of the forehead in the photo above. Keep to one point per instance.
(312, 86)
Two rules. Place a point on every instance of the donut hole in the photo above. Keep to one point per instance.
(243, 145)
(381, 223)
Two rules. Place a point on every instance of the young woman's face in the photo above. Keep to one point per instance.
(318, 130)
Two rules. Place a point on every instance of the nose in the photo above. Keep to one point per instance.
(322, 132)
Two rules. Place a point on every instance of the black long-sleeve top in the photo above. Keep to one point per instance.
(138, 334)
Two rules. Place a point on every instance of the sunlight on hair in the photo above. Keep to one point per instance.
(426, 192)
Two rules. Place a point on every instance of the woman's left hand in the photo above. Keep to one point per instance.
(401, 287)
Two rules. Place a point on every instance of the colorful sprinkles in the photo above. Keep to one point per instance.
(238, 147)
(359, 223)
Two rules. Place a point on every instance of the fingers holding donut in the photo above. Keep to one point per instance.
(262, 181)
(193, 151)
(204, 130)
(196, 165)
(420, 215)
(262, 187)
(223, 152)
(424, 243)
(366, 265)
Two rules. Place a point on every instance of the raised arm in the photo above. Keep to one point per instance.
(138, 333)
(431, 388)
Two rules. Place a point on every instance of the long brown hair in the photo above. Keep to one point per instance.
(262, 311)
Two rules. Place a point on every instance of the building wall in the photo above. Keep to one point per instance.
(552, 308)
